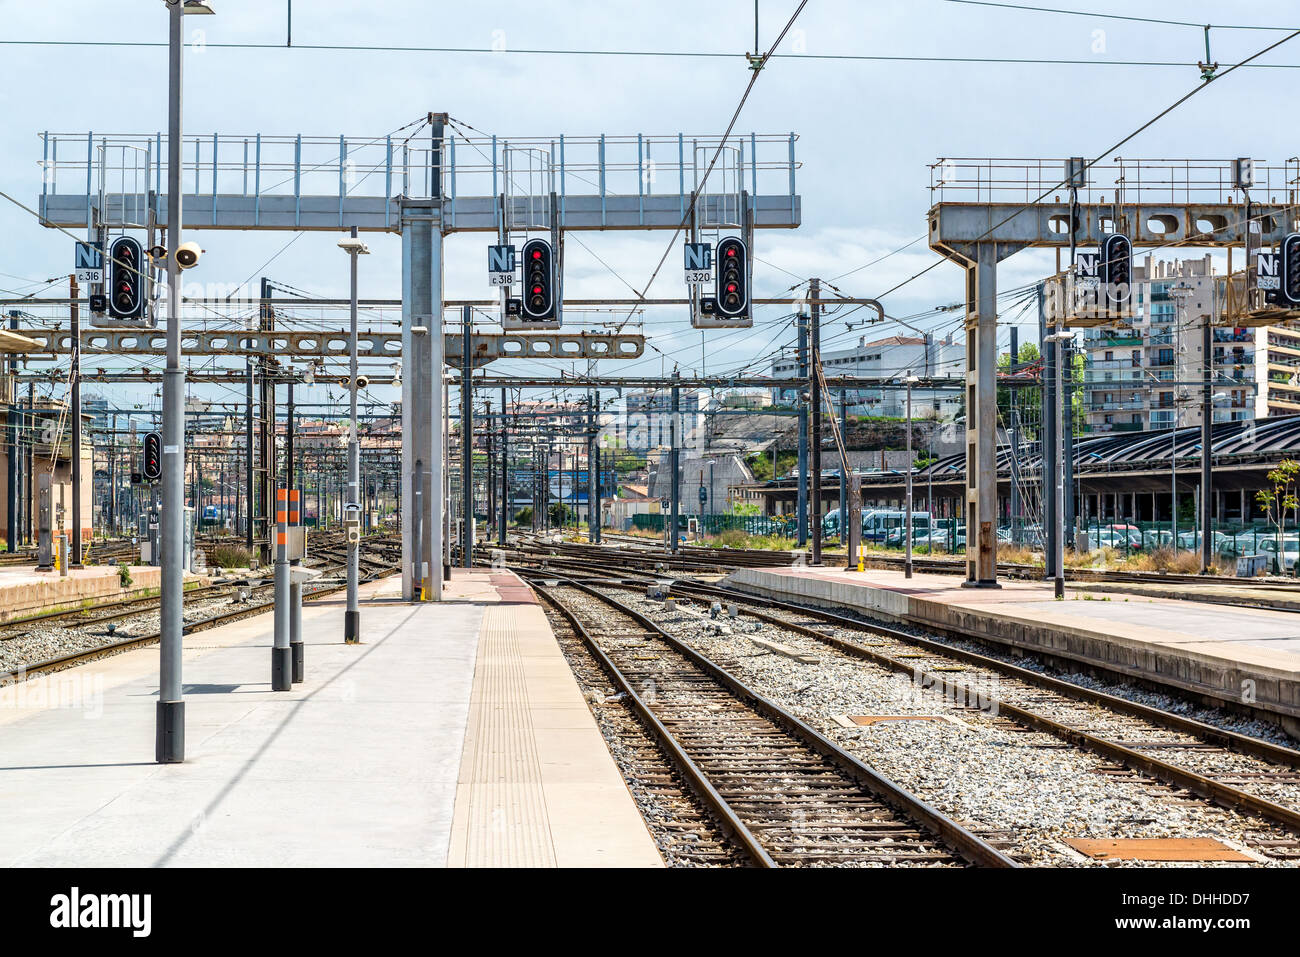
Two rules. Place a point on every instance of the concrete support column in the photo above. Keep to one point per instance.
(423, 503)
(981, 419)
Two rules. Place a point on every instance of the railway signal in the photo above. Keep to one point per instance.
(539, 281)
(1291, 267)
(126, 288)
(728, 307)
(733, 278)
(153, 456)
(1117, 267)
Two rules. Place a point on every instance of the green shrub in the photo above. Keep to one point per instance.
(229, 556)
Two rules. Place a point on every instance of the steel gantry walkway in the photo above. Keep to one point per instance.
(985, 210)
(425, 182)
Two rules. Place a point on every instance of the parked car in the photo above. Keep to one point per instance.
(895, 538)
(943, 538)
(1192, 542)
(1289, 552)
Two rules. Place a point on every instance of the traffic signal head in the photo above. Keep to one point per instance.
(1291, 267)
(1116, 267)
(126, 287)
(152, 457)
(539, 280)
(733, 278)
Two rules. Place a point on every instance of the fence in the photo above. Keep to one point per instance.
(716, 524)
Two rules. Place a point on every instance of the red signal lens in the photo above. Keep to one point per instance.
(537, 254)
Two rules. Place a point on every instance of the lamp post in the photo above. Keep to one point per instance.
(909, 380)
(169, 737)
(352, 510)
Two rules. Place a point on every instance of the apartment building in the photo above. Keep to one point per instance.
(885, 360)
(1147, 374)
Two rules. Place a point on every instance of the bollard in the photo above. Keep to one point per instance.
(295, 629)
(63, 556)
(295, 588)
(281, 654)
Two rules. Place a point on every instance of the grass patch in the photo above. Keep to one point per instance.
(737, 538)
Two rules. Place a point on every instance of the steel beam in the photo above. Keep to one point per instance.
(954, 227)
(332, 343)
(380, 214)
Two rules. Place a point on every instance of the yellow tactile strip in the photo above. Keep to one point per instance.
(500, 791)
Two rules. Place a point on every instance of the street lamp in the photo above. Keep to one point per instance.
(352, 508)
(909, 380)
(1058, 519)
(169, 735)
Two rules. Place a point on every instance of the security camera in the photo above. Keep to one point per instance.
(187, 255)
(362, 382)
(156, 252)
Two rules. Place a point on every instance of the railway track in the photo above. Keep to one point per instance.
(783, 793)
(86, 618)
(697, 556)
(1141, 744)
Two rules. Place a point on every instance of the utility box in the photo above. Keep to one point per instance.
(44, 525)
(353, 528)
(187, 562)
(295, 543)
(1248, 566)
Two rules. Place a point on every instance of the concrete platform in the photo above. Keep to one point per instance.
(359, 765)
(24, 591)
(1245, 657)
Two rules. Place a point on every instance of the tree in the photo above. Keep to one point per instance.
(560, 515)
(1281, 499)
(524, 516)
(1028, 399)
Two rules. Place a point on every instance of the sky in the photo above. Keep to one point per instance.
(868, 129)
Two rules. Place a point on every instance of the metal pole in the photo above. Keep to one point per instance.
(249, 496)
(466, 440)
(1058, 518)
(296, 656)
(1065, 358)
(815, 388)
(505, 473)
(593, 520)
(352, 615)
(1048, 441)
(281, 652)
(844, 478)
(1207, 432)
(907, 517)
(11, 446)
(169, 740)
(595, 453)
(75, 312)
(802, 373)
(674, 468)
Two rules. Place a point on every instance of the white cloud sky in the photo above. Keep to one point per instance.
(867, 130)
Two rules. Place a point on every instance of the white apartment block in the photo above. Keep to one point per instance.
(887, 359)
(1147, 374)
